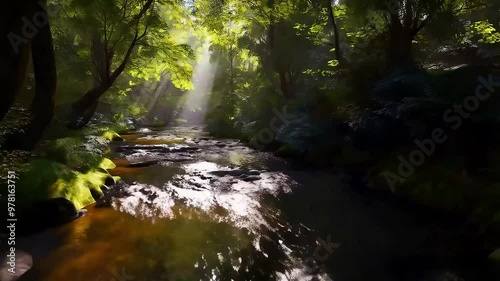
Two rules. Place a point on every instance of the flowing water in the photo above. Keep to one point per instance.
(191, 207)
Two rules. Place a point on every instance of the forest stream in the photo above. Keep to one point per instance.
(192, 207)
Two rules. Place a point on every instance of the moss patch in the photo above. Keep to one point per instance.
(46, 179)
(112, 136)
(106, 164)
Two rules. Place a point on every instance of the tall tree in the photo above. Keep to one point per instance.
(21, 40)
(111, 35)
(336, 33)
(109, 26)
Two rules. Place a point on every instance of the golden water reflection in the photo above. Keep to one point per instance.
(179, 220)
(193, 227)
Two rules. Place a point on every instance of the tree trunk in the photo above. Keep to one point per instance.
(83, 110)
(285, 86)
(42, 107)
(87, 115)
(277, 61)
(400, 44)
(338, 51)
(153, 105)
(101, 59)
(231, 70)
(15, 59)
(12, 74)
(400, 50)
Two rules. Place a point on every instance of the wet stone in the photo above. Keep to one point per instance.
(143, 164)
(238, 172)
(118, 190)
(105, 202)
(109, 181)
(251, 178)
(148, 163)
(219, 173)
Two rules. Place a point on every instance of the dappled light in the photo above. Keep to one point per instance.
(250, 140)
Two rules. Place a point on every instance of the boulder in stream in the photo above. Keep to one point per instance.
(46, 214)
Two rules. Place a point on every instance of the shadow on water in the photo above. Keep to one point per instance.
(225, 212)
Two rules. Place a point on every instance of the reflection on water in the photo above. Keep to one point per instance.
(221, 211)
(192, 186)
(181, 220)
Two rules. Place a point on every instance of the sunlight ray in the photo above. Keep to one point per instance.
(203, 79)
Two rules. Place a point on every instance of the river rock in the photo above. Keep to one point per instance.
(122, 148)
(243, 172)
(238, 172)
(46, 214)
(109, 181)
(184, 149)
(119, 190)
(104, 202)
(117, 138)
(148, 163)
(251, 178)
(143, 164)
(219, 173)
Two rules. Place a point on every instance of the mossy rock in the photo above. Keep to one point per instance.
(46, 179)
(112, 136)
(45, 214)
(106, 164)
(74, 152)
